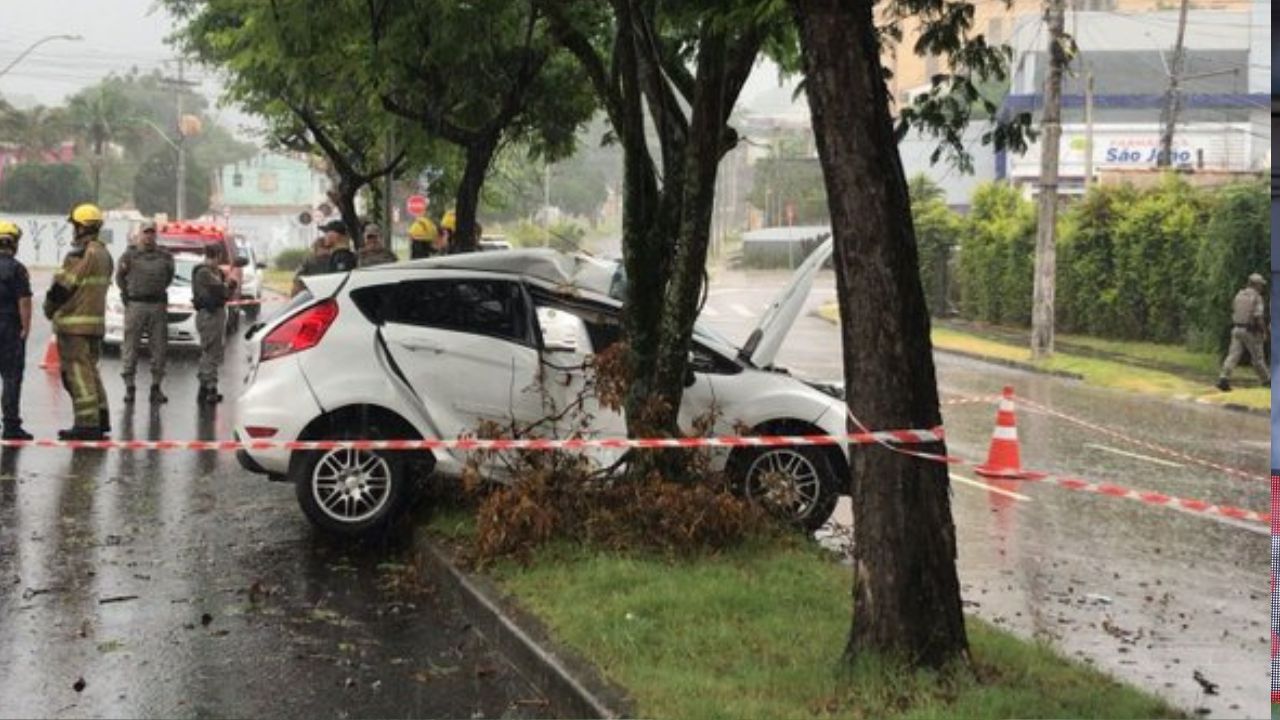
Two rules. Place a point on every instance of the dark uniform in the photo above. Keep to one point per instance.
(15, 286)
(76, 304)
(209, 294)
(144, 277)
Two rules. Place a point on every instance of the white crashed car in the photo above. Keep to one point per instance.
(433, 348)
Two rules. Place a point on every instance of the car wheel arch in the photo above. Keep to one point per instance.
(793, 426)
(383, 423)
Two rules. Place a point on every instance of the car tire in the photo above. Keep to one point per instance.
(377, 488)
(809, 493)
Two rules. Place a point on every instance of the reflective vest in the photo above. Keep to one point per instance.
(84, 278)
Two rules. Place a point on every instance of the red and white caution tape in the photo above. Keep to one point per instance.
(903, 437)
(1191, 505)
(1235, 472)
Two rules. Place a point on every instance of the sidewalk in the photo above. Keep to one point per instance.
(1149, 368)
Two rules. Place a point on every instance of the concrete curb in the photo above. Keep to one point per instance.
(1015, 364)
(572, 686)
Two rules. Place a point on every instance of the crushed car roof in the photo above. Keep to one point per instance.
(566, 271)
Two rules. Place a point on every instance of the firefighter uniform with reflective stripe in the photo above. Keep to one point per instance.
(76, 305)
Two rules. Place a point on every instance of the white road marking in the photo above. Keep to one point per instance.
(1135, 456)
(999, 491)
(741, 310)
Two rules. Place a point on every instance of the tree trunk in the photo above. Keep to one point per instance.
(479, 157)
(346, 201)
(906, 594)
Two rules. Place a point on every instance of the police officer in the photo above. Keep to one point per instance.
(317, 263)
(341, 257)
(210, 290)
(373, 252)
(76, 305)
(1248, 325)
(144, 275)
(15, 325)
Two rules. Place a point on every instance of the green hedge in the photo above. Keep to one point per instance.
(1160, 264)
(290, 259)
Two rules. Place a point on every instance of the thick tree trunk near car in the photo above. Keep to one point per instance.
(906, 593)
(345, 199)
(479, 157)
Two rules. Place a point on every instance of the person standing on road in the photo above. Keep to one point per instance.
(317, 263)
(15, 326)
(1248, 327)
(76, 304)
(423, 239)
(210, 290)
(374, 252)
(143, 276)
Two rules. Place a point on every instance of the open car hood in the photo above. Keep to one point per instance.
(762, 345)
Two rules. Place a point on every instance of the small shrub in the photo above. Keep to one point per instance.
(290, 259)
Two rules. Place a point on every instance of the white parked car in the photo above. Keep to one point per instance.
(252, 277)
(433, 348)
(182, 316)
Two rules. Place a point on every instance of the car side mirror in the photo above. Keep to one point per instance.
(241, 262)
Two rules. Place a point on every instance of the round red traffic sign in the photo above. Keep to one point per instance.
(416, 205)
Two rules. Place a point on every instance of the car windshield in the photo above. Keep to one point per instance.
(182, 269)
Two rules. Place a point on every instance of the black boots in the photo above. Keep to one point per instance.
(209, 395)
(80, 432)
(158, 396)
(15, 432)
(1223, 385)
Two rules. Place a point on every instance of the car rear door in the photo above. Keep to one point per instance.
(466, 348)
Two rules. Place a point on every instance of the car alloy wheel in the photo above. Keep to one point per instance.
(351, 486)
(785, 481)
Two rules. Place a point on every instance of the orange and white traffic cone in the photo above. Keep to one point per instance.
(1004, 459)
(51, 361)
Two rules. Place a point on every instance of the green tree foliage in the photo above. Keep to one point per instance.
(996, 261)
(1087, 301)
(43, 188)
(153, 186)
(36, 133)
(938, 230)
(1234, 244)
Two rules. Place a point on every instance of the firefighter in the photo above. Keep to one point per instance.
(76, 305)
(423, 239)
(144, 275)
(15, 326)
(210, 290)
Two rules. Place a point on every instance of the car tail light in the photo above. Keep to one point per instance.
(300, 332)
(258, 432)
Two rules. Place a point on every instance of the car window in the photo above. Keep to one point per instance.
(182, 270)
(483, 307)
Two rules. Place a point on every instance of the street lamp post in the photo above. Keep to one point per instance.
(31, 48)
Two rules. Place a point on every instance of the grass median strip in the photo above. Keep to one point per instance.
(1109, 373)
(758, 632)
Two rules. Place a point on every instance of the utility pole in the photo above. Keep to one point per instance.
(1046, 232)
(1088, 129)
(180, 86)
(1172, 98)
(182, 146)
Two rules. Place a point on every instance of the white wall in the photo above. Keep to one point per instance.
(47, 238)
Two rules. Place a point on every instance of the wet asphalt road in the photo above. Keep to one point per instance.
(176, 585)
(301, 626)
(1150, 595)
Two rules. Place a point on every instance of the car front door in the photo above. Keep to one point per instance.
(466, 348)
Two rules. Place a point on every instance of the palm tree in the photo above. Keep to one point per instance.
(99, 117)
(35, 133)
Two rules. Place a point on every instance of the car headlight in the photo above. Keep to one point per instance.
(835, 390)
